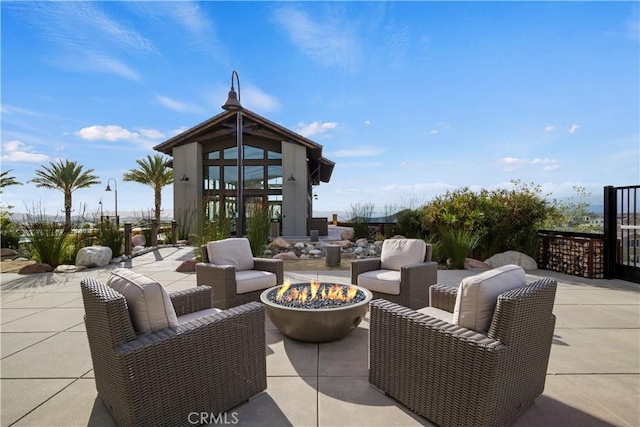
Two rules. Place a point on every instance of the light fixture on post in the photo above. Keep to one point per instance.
(233, 104)
(291, 178)
(184, 177)
(115, 186)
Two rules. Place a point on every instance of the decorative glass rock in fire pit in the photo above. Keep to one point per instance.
(316, 312)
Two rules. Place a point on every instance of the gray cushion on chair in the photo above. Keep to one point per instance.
(149, 304)
(233, 251)
(478, 295)
(384, 281)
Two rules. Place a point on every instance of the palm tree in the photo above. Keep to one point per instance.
(6, 181)
(154, 172)
(65, 176)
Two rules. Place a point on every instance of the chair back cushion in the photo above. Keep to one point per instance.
(233, 251)
(149, 305)
(478, 295)
(399, 252)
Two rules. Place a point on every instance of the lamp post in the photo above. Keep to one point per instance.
(233, 104)
(115, 186)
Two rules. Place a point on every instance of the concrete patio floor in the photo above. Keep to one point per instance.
(46, 373)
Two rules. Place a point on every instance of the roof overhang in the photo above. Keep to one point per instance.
(253, 124)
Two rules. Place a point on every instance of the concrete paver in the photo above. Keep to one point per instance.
(593, 377)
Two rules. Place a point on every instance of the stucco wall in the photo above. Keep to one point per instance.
(187, 195)
(294, 193)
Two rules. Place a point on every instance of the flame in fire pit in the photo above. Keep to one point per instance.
(310, 293)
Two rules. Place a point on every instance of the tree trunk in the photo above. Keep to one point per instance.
(67, 211)
(158, 202)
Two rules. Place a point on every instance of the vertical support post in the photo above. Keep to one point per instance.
(154, 232)
(174, 232)
(610, 231)
(335, 219)
(127, 238)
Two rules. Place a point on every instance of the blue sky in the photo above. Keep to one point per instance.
(408, 98)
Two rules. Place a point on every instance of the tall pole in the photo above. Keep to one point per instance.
(233, 104)
(115, 186)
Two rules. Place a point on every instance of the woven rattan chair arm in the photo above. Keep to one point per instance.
(443, 297)
(246, 322)
(221, 278)
(359, 266)
(191, 300)
(275, 266)
(403, 318)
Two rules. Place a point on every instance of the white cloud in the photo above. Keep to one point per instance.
(177, 105)
(315, 128)
(178, 131)
(433, 132)
(548, 164)
(510, 164)
(573, 129)
(11, 109)
(259, 100)
(17, 151)
(549, 128)
(367, 122)
(106, 133)
(329, 41)
(358, 152)
(151, 133)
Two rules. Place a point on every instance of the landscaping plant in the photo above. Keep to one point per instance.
(258, 223)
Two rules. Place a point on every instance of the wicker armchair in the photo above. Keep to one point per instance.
(206, 365)
(414, 278)
(454, 376)
(222, 279)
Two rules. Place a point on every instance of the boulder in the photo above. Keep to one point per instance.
(362, 242)
(35, 268)
(299, 245)
(137, 249)
(344, 244)
(285, 256)
(187, 266)
(65, 268)
(347, 234)
(398, 236)
(279, 243)
(474, 264)
(94, 256)
(138, 240)
(8, 253)
(315, 252)
(512, 257)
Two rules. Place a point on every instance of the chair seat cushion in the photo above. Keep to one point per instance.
(444, 315)
(197, 314)
(149, 304)
(478, 295)
(254, 280)
(383, 281)
(398, 252)
(233, 251)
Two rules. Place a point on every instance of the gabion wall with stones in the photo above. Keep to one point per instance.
(577, 256)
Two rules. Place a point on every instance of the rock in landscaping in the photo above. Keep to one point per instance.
(138, 240)
(66, 268)
(347, 235)
(187, 266)
(279, 243)
(362, 242)
(137, 249)
(512, 257)
(285, 256)
(398, 236)
(344, 244)
(315, 252)
(94, 256)
(474, 264)
(299, 245)
(8, 253)
(35, 268)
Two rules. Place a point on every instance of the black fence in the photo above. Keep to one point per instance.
(622, 233)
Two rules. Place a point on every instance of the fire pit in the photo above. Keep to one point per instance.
(316, 312)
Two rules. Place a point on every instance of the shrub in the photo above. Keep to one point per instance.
(110, 235)
(410, 223)
(258, 224)
(457, 245)
(211, 228)
(10, 231)
(48, 242)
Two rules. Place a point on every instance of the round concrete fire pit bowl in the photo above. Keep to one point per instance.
(320, 322)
